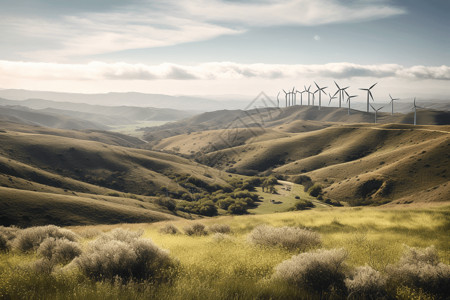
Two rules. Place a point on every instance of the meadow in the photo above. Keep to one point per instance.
(227, 266)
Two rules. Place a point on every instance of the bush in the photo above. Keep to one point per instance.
(315, 190)
(287, 237)
(4, 245)
(9, 233)
(366, 283)
(221, 237)
(237, 208)
(128, 257)
(195, 229)
(168, 203)
(59, 250)
(168, 229)
(302, 205)
(219, 228)
(420, 268)
(30, 238)
(320, 271)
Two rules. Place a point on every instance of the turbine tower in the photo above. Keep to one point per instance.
(301, 96)
(376, 111)
(369, 93)
(348, 100)
(314, 96)
(294, 96)
(309, 94)
(285, 97)
(392, 103)
(320, 89)
(415, 111)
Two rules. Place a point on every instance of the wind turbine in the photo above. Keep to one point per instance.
(376, 110)
(348, 100)
(301, 96)
(286, 96)
(392, 103)
(294, 96)
(320, 95)
(314, 96)
(341, 92)
(369, 93)
(331, 98)
(415, 111)
(309, 93)
(278, 99)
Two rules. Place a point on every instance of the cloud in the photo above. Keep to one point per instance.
(157, 23)
(316, 38)
(214, 71)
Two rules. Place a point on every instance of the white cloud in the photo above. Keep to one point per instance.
(156, 23)
(214, 71)
(316, 38)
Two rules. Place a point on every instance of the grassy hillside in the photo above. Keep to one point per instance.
(272, 117)
(28, 208)
(29, 116)
(359, 163)
(62, 166)
(229, 267)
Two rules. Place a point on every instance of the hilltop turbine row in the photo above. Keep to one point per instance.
(291, 98)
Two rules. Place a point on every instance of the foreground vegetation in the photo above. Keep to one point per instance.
(234, 257)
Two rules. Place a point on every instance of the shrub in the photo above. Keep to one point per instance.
(420, 268)
(237, 208)
(9, 233)
(366, 283)
(168, 203)
(220, 237)
(30, 238)
(125, 258)
(168, 229)
(321, 271)
(288, 237)
(219, 228)
(302, 205)
(4, 245)
(90, 233)
(315, 190)
(119, 234)
(59, 250)
(195, 229)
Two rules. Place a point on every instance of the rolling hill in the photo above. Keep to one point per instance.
(88, 176)
(359, 163)
(286, 117)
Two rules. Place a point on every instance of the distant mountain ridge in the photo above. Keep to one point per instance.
(188, 103)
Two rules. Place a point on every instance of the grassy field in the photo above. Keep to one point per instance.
(132, 129)
(231, 268)
(284, 199)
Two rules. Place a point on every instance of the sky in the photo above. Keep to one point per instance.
(226, 47)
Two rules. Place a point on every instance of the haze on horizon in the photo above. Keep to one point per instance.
(224, 47)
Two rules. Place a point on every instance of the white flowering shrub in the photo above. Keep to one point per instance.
(287, 237)
(319, 271)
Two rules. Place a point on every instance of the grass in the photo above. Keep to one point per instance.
(234, 269)
(132, 129)
(283, 200)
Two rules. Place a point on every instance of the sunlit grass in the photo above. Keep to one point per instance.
(233, 268)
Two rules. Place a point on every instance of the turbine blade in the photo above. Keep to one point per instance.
(373, 85)
(370, 94)
(337, 85)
